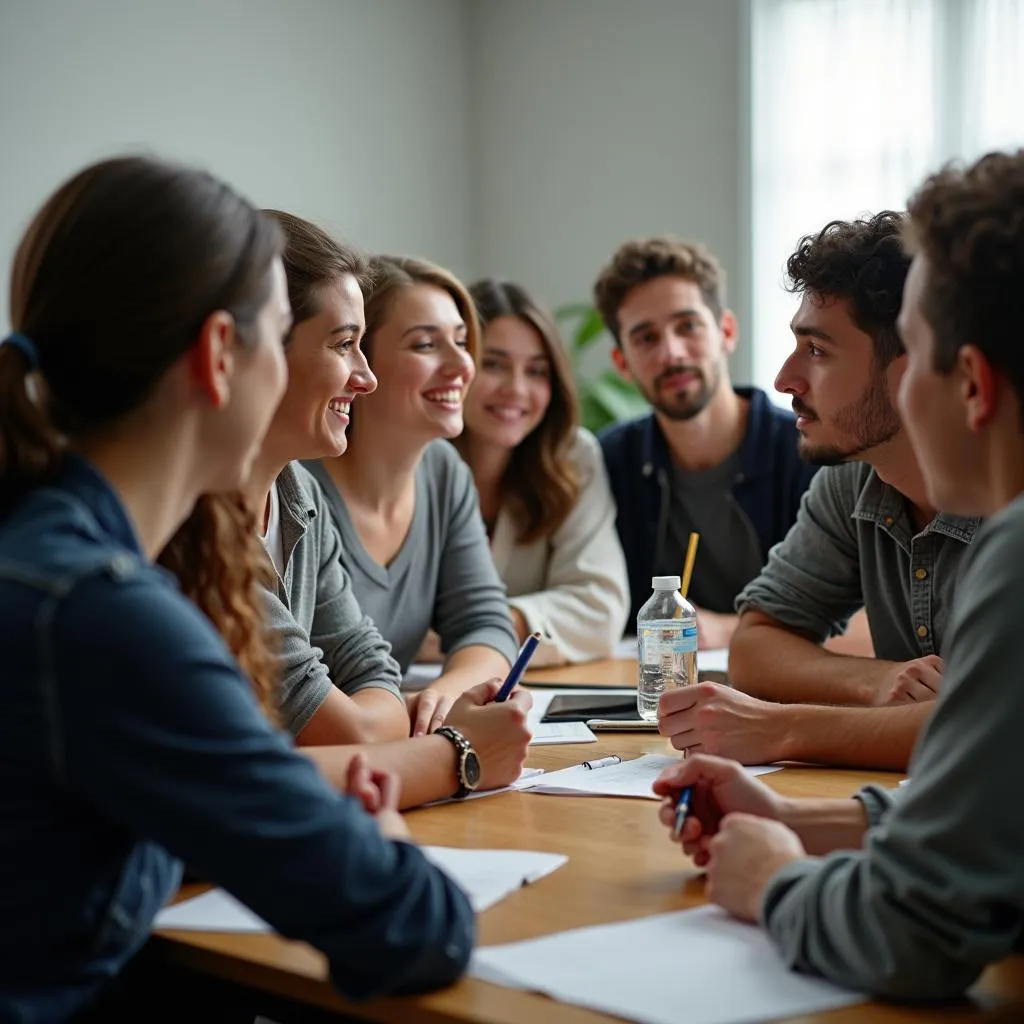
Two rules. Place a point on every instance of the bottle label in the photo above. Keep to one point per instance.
(662, 640)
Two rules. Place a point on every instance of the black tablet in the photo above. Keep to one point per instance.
(614, 706)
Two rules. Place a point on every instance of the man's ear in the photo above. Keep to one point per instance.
(619, 362)
(730, 331)
(213, 358)
(978, 386)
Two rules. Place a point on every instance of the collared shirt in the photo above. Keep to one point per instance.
(936, 891)
(322, 636)
(129, 742)
(854, 545)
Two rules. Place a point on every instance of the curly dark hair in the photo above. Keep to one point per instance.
(969, 226)
(221, 565)
(644, 259)
(864, 262)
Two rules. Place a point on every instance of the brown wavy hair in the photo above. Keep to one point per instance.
(969, 226)
(643, 259)
(540, 484)
(222, 566)
(861, 261)
(112, 282)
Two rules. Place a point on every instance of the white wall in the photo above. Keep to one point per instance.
(518, 137)
(351, 112)
(594, 121)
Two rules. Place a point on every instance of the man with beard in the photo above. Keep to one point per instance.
(710, 458)
(867, 535)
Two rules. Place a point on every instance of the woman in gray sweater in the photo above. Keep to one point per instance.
(412, 538)
(339, 690)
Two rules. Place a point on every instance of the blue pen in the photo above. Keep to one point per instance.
(682, 809)
(517, 670)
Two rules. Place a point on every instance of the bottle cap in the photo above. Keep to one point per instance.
(666, 582)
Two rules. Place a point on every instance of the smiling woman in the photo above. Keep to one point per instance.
(405, 505)
(543, 488)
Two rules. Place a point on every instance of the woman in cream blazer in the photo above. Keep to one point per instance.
(544, 493)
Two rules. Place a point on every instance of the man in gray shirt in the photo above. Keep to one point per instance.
(866, 535)
(923, 887)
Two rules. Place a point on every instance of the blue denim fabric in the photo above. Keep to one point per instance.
(129, 742)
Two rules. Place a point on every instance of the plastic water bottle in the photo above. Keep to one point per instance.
(666, 630)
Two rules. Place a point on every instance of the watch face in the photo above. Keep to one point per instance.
(471, 769)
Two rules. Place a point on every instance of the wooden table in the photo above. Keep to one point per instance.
(621, 866)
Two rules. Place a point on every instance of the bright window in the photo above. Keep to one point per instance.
(854, 102)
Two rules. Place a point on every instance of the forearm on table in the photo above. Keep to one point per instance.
(370, 715)
(825, 825)
(424, 766)
(881, 737)
(468, 666)
(382, 714)
(771, 662)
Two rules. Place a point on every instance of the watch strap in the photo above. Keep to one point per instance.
(462, 747)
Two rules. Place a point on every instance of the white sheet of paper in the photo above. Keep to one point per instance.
(524, 775)
(549, 733)
(214, 911)
(714, 659)
(699, 966)
(486, 876)
(421, 674)
(626, 648)
(630, 778)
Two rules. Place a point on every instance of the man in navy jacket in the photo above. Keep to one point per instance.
(710, 458)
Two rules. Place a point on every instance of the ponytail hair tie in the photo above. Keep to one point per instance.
(26, 347)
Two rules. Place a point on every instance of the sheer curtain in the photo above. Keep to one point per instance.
(853, 102)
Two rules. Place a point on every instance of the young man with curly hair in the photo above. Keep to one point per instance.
(710, 458)
(923, 886)
(867, 536)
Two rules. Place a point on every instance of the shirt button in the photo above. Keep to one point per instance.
(922, 631)
(921, 574)
(889, 520)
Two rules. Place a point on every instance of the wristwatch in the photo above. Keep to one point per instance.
(467, 765)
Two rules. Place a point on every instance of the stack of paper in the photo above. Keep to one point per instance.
(630, 778)
(695, 966)
(486, 876)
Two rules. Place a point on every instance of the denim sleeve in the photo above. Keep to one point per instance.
(812, 580)
(937, 892)
(470, 606)
(160, 731)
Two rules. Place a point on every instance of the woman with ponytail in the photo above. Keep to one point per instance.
(149, 306)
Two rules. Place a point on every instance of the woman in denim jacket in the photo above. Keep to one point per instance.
(149, 307)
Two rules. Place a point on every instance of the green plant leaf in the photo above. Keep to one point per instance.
(607, 398)
(588, 324)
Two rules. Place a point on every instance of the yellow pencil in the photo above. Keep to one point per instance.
(691, 557)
